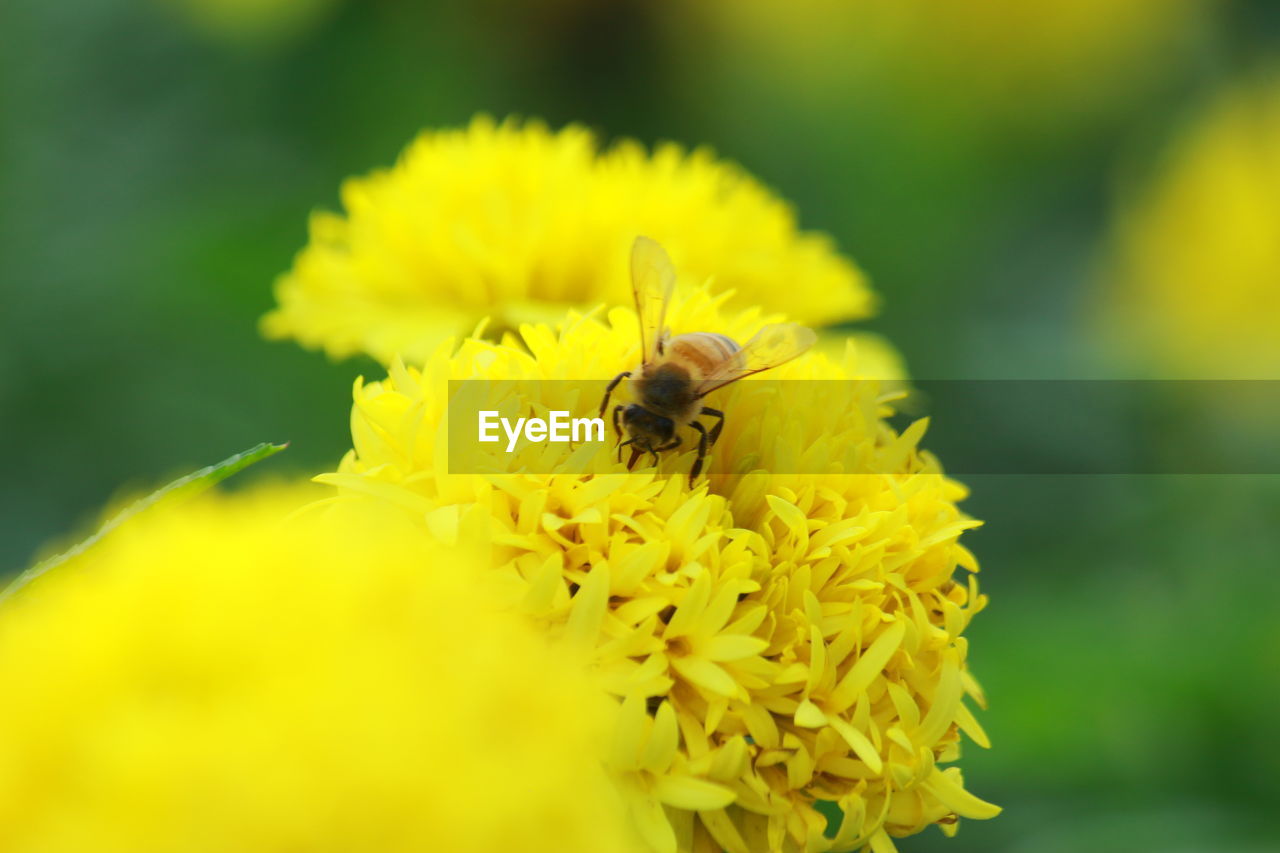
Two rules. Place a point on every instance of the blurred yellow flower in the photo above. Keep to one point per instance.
(217, 677)
(1194, 286)
(775, 639)
(1024, 63)
(516, 222)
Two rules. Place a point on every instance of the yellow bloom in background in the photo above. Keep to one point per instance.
(775, 639)
(219, 677)
(1024, 63)
(517, 223)
(1193, 290)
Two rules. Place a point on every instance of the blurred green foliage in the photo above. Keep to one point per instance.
(155, 177)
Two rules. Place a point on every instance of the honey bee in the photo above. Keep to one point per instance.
(677, 372)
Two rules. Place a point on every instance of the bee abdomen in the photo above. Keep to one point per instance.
(704, 351)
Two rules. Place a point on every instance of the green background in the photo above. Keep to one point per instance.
(156, 178)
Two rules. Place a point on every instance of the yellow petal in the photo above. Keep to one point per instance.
(690, 608)
(708, 675)
(859, 743)
(627, 734)
(687, 792)
(731, 647)
(970, 726)
(946, 703)
(946, 786)
(809, 715)
(652, 823)
(663, 740)
(882, 843)
(869, 665)
(588, 608)
(791, 515)
(723, 831)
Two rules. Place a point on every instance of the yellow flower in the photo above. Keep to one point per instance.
(775, 639)
(1193, 285)
(517, 223)
(216, 677)
(1019, 62)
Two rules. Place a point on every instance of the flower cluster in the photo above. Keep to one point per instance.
(550, 650)
(519, 223)
(218, 676)
(774, 639)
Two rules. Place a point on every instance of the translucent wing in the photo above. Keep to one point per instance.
(771, 346)
(652, 278)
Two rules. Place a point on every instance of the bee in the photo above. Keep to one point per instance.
(678, 372)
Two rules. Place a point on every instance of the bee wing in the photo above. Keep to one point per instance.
(652, 279)
(771, 346)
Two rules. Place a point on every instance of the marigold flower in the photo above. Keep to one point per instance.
(774, 639)
(515, 222)
(215, 677)
(1192, 290)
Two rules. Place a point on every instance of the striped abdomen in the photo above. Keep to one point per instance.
(701, 352)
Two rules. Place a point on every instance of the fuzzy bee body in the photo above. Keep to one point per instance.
(677, 372)
(671, 387)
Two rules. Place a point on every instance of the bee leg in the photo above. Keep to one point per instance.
(617, 427)
(604, 404)
(635, 454)
(622, 445)
(670, 445)
(702, 452)
(715, 431)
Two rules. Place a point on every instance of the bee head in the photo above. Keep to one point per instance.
(648, 431)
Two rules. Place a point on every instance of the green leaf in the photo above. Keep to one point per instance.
(180, 489)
